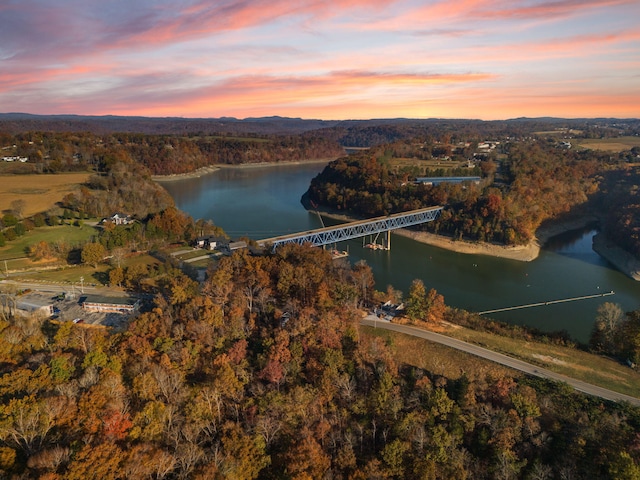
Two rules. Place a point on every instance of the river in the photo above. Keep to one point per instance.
(263, 202)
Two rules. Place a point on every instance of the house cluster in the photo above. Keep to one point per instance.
(488, 146)
(389, 310)
(208, 242)
(118, 219)
(15, 159)
(211, 242)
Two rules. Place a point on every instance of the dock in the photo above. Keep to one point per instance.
(550, 302)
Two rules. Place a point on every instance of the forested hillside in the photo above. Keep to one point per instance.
(263, 372)
(530, 183)
(161, 154)
(621, 201)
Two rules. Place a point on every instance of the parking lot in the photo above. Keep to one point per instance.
(70, 309)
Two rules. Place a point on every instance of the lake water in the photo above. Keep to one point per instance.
(263, 202)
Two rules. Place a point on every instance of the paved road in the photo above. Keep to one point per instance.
(67, 288)
(514, 363)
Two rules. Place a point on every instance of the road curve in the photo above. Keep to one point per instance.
(528, 368)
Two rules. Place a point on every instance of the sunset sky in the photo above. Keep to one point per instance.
(340, 59)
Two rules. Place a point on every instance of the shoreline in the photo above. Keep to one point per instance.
(617, 256)
(522, 253)
(202, 171)
(183, 176)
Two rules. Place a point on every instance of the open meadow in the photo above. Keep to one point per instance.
(616, 145)
(398, 164)
(69, 234)
(572, 362)
(39, 192)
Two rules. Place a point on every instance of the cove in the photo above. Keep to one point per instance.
(263, 202)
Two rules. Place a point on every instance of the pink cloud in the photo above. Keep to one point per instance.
(548, 9)
(440, 15)
(161, 92)
(576, 46)
(35, 30)
(509, 9)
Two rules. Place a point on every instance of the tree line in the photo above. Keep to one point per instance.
(50, 152)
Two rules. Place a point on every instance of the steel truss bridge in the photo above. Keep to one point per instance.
(360, 228)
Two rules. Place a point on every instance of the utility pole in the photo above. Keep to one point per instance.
(82, 285)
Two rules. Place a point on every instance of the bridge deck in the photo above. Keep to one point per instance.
(359, 228)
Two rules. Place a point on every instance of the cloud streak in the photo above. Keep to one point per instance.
(398, 58)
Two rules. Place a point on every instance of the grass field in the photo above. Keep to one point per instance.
(571, 362)
(231, 139)
(436, 358)
(398, 163)
(66, 233)
(608, 144)
(40, 192)
(574, 363)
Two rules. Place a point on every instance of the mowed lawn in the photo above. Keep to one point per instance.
(61, 233)
(39, 192)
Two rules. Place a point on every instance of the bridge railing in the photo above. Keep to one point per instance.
(361, 228)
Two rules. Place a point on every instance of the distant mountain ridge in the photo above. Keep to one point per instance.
(21, 122)
(14, 123)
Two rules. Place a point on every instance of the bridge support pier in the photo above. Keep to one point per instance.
(387, 245)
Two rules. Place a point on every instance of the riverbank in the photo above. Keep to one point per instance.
(620, 258)
(522, 253)
(212, 168)
(182, 176)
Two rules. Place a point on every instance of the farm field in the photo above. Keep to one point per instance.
(40, 192)
(608, 144)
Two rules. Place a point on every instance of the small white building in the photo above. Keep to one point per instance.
(208, 242)
(29, 305)
(233, 246)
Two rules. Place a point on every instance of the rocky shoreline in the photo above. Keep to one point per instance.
(620, 258)
(212, 168)
(523, 253)
(182, 176)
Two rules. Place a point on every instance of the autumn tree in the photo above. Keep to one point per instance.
(18, 206)
(41, 250)
(93, 253)
(416, 304)
(606, 332)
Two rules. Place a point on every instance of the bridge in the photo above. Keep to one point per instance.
(357, 229)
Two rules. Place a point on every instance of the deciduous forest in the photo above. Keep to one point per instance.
(532, 183)
(263, 372)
